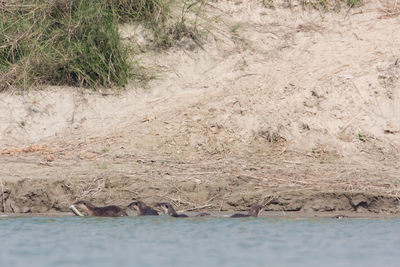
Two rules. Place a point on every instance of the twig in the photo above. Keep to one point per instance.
(196, 208)
(293, 162)
(93, 191)
(3, 205)
(222, 202)
(265, 202)
(211, 198)
(180, 201)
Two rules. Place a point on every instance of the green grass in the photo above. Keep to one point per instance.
(330, 5)
(76, 42)
(354, 3)
(361, 137)
(102, 166)
(235, 27)
(62, 42)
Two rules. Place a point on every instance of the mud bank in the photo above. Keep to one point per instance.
(43, 196)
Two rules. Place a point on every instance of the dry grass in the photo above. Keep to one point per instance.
(329, 5)
(212, 183)
(77, 43)
(390, 9)
(61, 42)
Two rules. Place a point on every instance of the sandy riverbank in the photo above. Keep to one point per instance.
(298, 109)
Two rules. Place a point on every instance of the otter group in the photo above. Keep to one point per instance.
(85, 208)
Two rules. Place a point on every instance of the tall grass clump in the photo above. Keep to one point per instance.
(76, 42)
(61, 42)
(151, 12)
(168, 20)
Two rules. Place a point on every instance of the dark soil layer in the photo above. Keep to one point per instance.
(41, 196)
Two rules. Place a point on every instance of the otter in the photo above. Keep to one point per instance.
(92, 210)
(168, 209)
(253, 212)
(142, 209)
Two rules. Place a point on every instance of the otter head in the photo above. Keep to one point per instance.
(84, 206)
(137, 205)
(165, 207)
(256, 210)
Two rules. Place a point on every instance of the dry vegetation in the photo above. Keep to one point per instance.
(77, 42)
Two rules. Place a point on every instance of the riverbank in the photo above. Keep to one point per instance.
(295, 109)
(224, 184)
(289, 215)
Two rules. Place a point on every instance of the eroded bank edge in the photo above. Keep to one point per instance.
(47, 195)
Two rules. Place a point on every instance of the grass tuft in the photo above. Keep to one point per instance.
(61, 42)
(354, 3)
(330, 5)
(76, 42)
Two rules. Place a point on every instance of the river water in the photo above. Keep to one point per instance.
(166, 241)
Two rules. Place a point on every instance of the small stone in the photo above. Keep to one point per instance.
(50, 158)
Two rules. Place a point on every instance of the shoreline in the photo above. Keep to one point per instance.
(217, 215)
(223, 194)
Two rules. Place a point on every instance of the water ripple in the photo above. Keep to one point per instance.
(165, 241)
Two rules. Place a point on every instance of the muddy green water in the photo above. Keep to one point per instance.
(165, 241)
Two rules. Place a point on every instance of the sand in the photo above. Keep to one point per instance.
(297, 109)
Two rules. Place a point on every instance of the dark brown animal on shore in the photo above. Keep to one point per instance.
(142, 209)
(92, 210)
(254, 212)
(168, 209)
